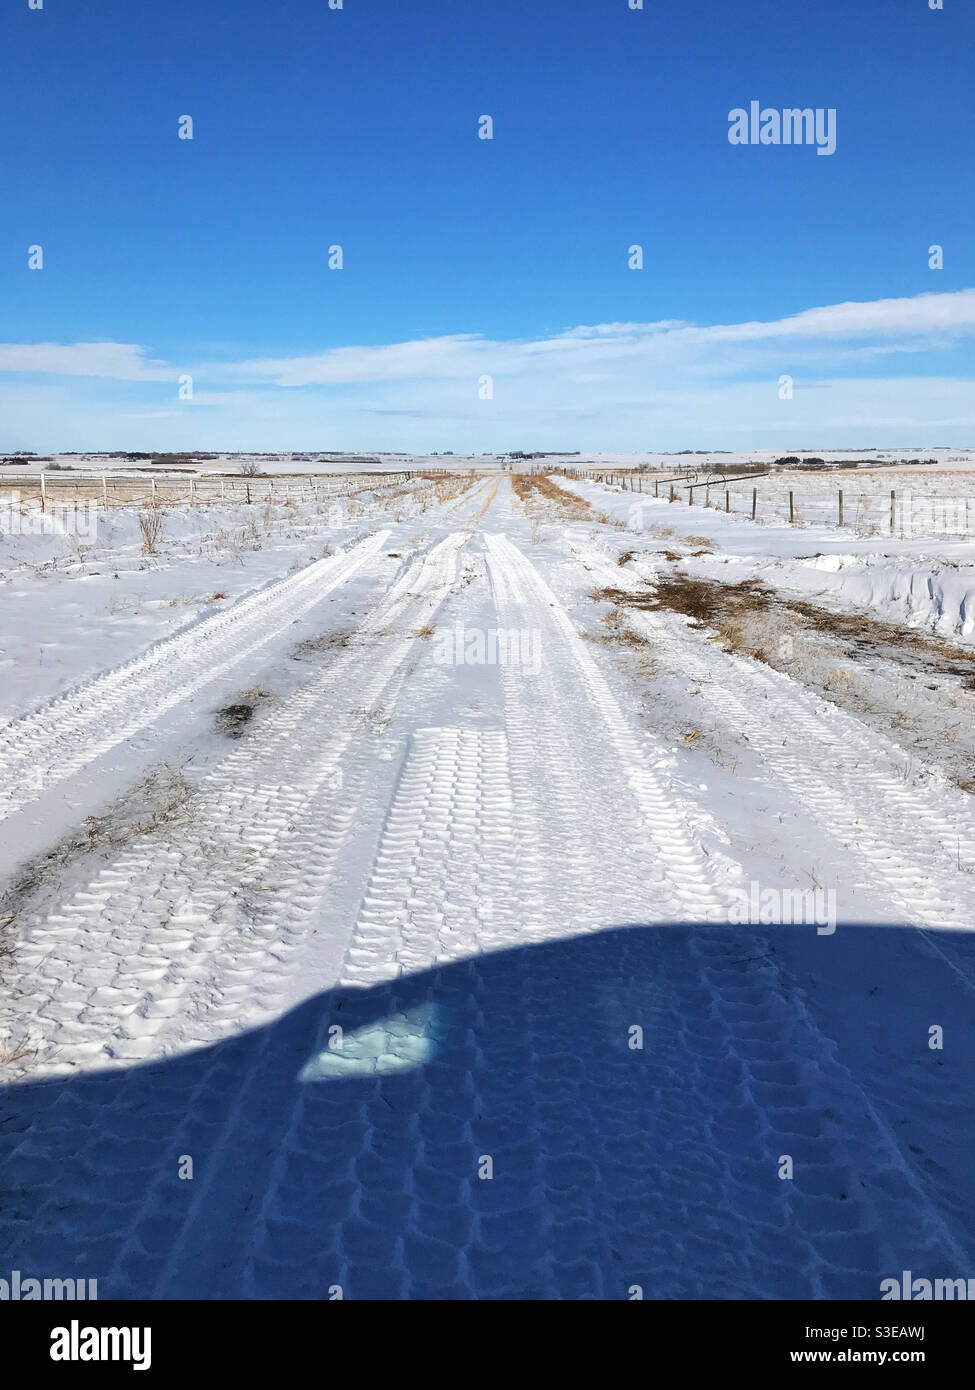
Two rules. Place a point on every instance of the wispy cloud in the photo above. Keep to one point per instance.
(924, 321)
(930, 318)
(611, 385)
(119, 361)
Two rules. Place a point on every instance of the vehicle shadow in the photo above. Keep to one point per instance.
(606, 1116)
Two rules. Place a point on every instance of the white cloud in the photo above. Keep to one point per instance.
(120, 361)
(615, 385)
(932, 319)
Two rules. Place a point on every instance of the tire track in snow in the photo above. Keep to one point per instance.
(101, 977)
(444, 887)
(612, 810)
(189, 1249)
(50, 744)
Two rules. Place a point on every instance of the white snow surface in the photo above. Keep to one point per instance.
(432, 963)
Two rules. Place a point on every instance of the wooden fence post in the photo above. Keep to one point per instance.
(656, 484)
(754, 501)
(893, 509)
(43, 493)
(690, 497)
(727, 500)
(671, 492)
(792, 510)
(841, 507)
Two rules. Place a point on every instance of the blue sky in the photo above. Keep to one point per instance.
(466, 258)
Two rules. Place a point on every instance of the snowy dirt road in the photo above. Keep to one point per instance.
(435, 981)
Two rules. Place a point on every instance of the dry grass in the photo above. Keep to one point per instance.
(726, 608)
(751, 619)
(144, 809)
(151, 526)
(704, 601)
(16, 1052)
(858, 631)
(325, 642)
(544, 500)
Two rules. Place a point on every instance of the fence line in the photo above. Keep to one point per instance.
(195, 489)
(903, 514)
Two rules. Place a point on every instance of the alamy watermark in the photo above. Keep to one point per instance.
(916, 514)
(476, 646)
(55, 519)
(758, 906)
(921, 1290)
(792, 125)
(21, 1288)
(77, 1343)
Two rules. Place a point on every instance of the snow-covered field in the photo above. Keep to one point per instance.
(487, 887)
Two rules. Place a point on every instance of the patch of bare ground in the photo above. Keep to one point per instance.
(865, 664)
(325, 642)
(233, 719)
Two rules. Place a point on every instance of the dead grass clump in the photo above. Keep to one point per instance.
(539, 494)
(859, 630)
(324, 642)
(151, 526)
(732, 631)
(142, 810)
(704, 601)
(837, 679)
(15, 1052)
